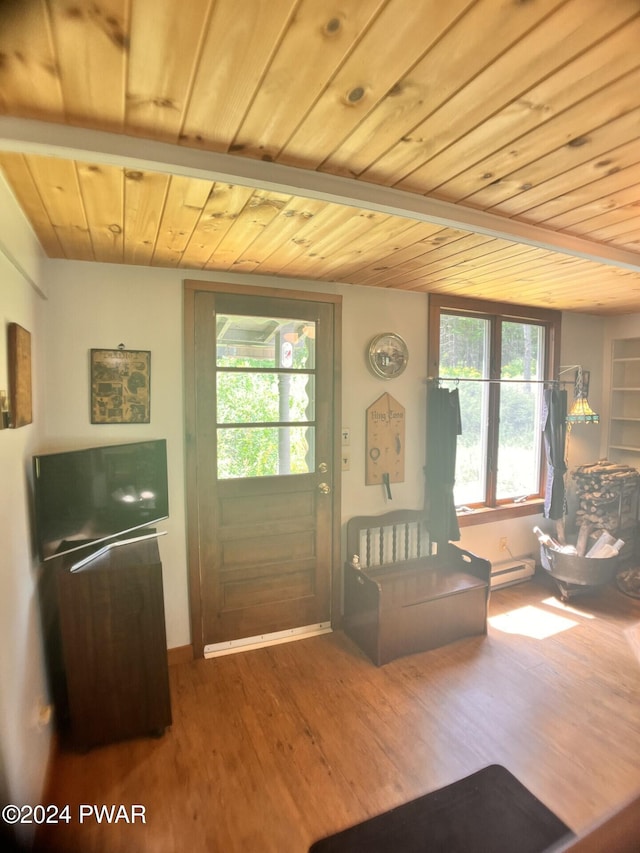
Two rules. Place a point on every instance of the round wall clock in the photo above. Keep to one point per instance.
(388, 355)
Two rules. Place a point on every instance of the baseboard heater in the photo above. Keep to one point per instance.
(512, 571)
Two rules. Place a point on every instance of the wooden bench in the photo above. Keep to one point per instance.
(399, 597)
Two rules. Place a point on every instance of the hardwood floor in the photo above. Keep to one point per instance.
(272, 749)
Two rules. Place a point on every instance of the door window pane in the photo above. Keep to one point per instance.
(245, 397)
(265, 374)
(519, 448)
(464, 353)
(265, 342)
(265, 451)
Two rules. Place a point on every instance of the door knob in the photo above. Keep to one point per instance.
(325, 488)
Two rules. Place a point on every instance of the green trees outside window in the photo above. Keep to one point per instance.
(498, 362)
(265, 384)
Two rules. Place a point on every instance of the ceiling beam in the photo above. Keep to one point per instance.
(28, 136)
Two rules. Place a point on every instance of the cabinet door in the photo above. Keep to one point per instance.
(114, 645)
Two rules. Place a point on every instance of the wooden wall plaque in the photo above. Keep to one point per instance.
(20, 375)
(385, 441)
(120, 386)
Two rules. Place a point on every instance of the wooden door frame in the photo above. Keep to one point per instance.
(190, 288)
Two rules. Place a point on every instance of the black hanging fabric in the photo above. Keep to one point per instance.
(554, 429)
(443, 429)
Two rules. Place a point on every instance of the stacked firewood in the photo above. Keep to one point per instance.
(607, 494)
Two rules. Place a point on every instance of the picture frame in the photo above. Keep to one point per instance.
(20, 397)
(120, 386)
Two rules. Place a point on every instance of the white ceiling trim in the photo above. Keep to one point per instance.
(28, 136)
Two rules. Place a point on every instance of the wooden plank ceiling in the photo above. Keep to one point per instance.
(527, 112)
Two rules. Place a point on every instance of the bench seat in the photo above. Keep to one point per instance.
(415, 604)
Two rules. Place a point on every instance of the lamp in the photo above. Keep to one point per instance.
(580, 411)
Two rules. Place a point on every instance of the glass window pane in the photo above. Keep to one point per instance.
(471, 455)
(464, 352)
(265, 342)
(262, 397)
(519, 449)
(265, 451)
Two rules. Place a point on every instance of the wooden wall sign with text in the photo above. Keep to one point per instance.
(385, 441)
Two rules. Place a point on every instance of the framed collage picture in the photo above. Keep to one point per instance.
(120, 386)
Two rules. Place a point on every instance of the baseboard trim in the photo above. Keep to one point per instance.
(262, 641)
(180, 654)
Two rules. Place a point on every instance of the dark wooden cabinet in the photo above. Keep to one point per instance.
(114, 650)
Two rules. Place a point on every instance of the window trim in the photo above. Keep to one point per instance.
(552, 321)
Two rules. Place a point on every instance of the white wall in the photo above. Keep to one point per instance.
(367, 312)
(18, 243)
(24, 745)
(101, 306)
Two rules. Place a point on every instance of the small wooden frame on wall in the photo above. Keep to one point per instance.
(20, 405)
(120, 386)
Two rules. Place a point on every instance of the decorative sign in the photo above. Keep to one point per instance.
(385, 441)
(19, 375)
(120, 386)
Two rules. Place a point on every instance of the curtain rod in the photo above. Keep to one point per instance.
(498, 381)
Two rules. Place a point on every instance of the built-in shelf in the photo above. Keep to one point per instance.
(624, 426)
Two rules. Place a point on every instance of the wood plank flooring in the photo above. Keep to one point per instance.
(272, 749)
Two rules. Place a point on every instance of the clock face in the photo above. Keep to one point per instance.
(388, 355)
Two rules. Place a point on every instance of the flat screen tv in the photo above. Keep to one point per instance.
(83, 497)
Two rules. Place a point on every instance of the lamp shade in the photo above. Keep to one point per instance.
(580, 411)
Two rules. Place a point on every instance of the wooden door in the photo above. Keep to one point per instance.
(263, 503)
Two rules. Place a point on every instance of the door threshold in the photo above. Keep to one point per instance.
(246, 644)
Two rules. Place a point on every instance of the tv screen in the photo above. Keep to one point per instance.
(87, 496)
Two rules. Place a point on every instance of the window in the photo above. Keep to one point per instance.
(498, 357)
(265, 403)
